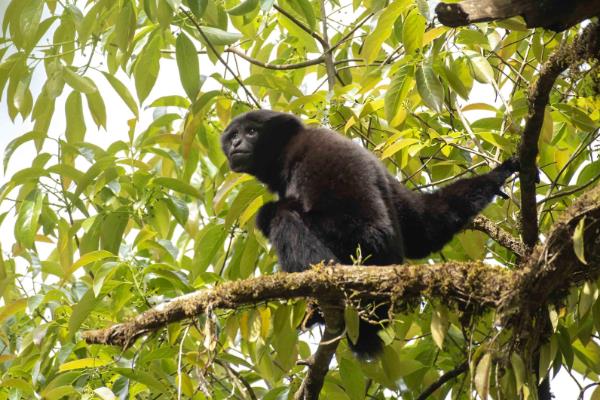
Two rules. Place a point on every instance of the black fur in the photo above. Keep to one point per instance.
(334, 196)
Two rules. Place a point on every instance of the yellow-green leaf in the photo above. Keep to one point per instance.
(430, 88)
(91, 257)
(80, 83)
(244, 7)
(412, 32)
(578, 240)
(90, 362)
(75, 130)
(352, 320)
(147, 67)
(482, 376)
(383, 30)
(439, 326)
(12, 308)
(123, 92)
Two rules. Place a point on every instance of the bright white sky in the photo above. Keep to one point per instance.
(563, 387)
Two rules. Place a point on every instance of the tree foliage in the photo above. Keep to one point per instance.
(125, 200)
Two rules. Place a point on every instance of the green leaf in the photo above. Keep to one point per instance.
(578, 240)
(146, 68)
(353, 379)
(430, 88)
(519, 369)
(151, 381)
(12, 308)
(412, 32)
(178, 186)
(125, 26)
(482, 70)
(352, 320)
(220, 37)
(29, 20)
(482, 376)
(28, 217)
(90, 257)
(97, 108)
(307, 12)
(90, 362)
(545, 360)
(457, 75)
(187, 62)
(171, 101)
(209, 241)
(179, 209)
(80, 83)
(93, 172)
(249, 256)
(439, 326)
(245, 7)
(383, 30)
(596, 394)
(75, 131)
(16, 143)
(401, 84)
(123, 92)
(60, 392)
(197, 7)
(81, 311)
(111, 233)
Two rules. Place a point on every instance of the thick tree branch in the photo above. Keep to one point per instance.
(557, 15)
(585, 46)
(554, 268)
(467, 283)
(504, 238)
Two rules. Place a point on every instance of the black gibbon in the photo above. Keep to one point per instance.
(335, 196)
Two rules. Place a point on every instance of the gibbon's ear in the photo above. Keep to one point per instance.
(283, 122)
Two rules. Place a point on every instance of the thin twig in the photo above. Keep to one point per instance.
(216, 53)
(443, 379)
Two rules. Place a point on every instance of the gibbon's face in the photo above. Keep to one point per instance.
(240, 139)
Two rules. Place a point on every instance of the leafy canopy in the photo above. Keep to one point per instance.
(100, 232)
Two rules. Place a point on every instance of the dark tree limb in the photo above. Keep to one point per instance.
(443, 379)
(557, 15)
(585, 46)
(553, 268)
(504, 238)
(318, 364)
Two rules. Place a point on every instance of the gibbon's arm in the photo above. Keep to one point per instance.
(430, 220)
(297, 247)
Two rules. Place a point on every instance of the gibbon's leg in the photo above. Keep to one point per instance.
(430, 220)
(296, 245)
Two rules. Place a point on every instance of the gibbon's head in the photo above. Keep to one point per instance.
(254, 140)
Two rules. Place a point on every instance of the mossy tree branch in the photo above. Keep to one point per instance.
(550, 271)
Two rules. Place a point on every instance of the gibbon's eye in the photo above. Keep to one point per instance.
(252, 131)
